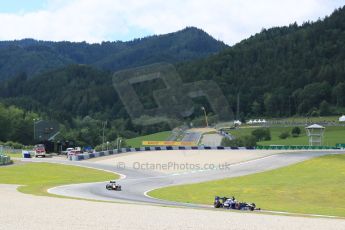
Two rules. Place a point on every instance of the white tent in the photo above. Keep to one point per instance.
(237, 122)
(315, 126)
(342, 118)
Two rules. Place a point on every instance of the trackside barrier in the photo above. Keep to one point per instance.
(86, 156)
(295, 147)
(341, 146)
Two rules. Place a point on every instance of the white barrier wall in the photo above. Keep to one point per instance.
(86, 156)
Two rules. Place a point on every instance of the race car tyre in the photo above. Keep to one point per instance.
(216, 204)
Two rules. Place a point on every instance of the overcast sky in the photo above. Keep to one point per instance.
(110, 20)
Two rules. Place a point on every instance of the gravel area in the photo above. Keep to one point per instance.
(201, 158)
(22, 211)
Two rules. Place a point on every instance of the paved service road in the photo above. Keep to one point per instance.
(192, 136)
(136, 183)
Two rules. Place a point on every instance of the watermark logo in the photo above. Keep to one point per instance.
(173, 166)
(174, 102)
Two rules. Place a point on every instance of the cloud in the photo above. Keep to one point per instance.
(96, 21)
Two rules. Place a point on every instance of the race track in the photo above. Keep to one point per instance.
(136, 183)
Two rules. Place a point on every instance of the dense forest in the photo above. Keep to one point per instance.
(282, 71)
(279, 72)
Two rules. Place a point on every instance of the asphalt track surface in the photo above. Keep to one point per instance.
(136, 183)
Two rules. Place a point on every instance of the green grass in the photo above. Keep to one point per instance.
(137, 141)
(36, 178)
(332, 136)
(316, 186)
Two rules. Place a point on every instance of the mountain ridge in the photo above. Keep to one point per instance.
(36, 57)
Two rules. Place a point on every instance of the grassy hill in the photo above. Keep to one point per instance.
(315, 187)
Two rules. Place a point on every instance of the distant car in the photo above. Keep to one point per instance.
(68, 150)
(113, 186)
(74, 152)
(65, 152)
(40, 150)
(77, 148)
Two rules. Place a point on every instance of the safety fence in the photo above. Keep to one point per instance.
(4, 150)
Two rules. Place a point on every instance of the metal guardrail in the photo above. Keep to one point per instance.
(294, 147)
(227, 135)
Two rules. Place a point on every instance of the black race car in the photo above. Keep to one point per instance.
(113, 186)
(232, 203)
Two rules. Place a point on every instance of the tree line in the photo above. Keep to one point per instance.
(279, 72)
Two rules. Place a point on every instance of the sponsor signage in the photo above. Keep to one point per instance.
(169, 143)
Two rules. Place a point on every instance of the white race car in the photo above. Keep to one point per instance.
(113, 186)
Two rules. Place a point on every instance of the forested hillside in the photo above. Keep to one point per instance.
(71, 82)
(283, 71)
(35, 57)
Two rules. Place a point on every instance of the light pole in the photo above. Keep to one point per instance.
(118, 142)
(203, 108)
(103, 138)
(35, 120)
